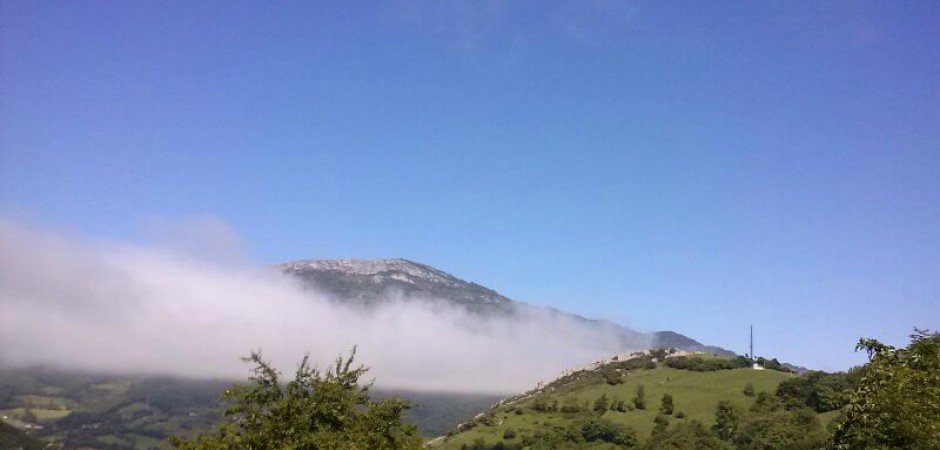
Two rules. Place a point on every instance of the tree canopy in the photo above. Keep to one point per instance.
(328, 410)
(897, 402)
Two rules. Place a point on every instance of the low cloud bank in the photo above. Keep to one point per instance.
(112, 307)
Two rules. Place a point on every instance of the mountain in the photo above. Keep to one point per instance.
(368, 282)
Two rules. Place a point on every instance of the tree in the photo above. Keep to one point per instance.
(666, 406)
(639, 397)
(818, 390)
(727, 417)
(328, 410)
(896, 404)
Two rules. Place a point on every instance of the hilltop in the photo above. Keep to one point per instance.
(367, 282)
(605, 394)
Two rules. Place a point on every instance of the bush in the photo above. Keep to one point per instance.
(612, 377)
(509, 433)
(749, 389)
(639, 397)
(687, 435)
(600, 405)
(666, 407)
(601, 430)
(571, 406)
(699, 364)
(661, 424)
(727, 418)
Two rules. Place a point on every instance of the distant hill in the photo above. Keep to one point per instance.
(367, 282)
(128, 412)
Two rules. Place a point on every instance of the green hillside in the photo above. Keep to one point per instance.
(609, 392)
(11, 437)
(136, 412)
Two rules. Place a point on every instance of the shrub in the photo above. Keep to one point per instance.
(666, 407)
(639, 397)
(749, 390)
(600, 405)
(601, 430)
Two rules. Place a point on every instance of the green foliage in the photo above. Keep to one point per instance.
(509, 433)
(727, 419)
(773, 364)
(660, 353)
(666, 407)
(571, 406)
(612, 376)
(897, 401)
(639, 397)
(818, 390)
(589, 433)
(701, 364)
(600, 405)
(661, 423)
(696, 392)
(11, 437)
(690, 435)
(329, 410)
(765, 402)
(749, 389)
(799, 429)
(600, 430)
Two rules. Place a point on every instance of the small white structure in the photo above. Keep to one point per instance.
(758, 367)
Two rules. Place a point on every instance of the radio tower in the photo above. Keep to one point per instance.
(752, 344)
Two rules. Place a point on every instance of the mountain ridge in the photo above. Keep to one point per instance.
(366, 282)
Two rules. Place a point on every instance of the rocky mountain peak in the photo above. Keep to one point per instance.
(371, 279)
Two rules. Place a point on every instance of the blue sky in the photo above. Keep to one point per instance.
(667, 165)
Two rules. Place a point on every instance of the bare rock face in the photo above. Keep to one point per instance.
(370, 281)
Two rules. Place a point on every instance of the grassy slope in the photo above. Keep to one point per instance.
(694, 393)
(43, 415)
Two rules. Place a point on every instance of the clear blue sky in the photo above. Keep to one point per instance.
(668, 165)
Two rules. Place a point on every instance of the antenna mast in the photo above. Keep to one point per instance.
(752, 342)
